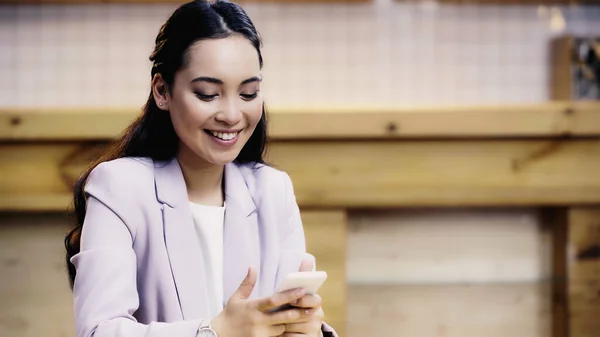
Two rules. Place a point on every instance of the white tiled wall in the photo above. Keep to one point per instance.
(379, 53)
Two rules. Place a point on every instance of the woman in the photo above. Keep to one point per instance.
(183, 230)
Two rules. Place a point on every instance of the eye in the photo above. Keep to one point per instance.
(206, 98)
(249, 97)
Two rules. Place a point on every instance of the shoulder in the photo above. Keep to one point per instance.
(121, 176)
(137, 164)
(261, 176)
(267, 183)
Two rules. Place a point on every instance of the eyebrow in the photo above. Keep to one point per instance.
(218, 81)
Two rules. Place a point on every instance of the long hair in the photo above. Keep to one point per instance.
(152, 134)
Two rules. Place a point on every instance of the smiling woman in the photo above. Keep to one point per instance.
(214, 102)
(215, 105)
(182, 230)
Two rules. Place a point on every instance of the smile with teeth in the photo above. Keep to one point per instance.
(224, 135)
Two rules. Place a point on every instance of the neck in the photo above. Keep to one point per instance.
(204, 180)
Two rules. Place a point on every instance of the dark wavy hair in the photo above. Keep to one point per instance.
(152, 134)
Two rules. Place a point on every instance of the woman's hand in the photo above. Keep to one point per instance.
(312, 326)
(242, 317)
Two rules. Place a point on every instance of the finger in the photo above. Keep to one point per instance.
(293, 334)
(276, 330)
(301, 328)
(290, 316)
(308, 301)
(278, 299)
(309, 328)
(245, 289)
(307, 265)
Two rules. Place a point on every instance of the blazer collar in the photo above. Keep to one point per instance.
(171, 188)
(240, 235)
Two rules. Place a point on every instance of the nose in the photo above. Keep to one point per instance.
(229, 113)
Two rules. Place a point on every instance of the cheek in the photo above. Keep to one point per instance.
(254, 113)
(187, 121)
(189, 114)
(180, 119)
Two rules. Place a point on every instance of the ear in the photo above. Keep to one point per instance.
(160, 92)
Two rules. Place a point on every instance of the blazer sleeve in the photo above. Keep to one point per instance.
(105, 292)
(293, 246)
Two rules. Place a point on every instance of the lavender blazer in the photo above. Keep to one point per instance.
(140, 271)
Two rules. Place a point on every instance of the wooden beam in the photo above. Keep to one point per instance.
(44, 173)
(357, 174)
(549, 120)
(326, 237)
(63, 124)
(584, 271)
(442, 173)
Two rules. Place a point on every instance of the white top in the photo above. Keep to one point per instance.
(208, 221)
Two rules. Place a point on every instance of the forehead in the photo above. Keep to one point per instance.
(230, 58)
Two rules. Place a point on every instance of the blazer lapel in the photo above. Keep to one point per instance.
(183, 248)
(240, 237)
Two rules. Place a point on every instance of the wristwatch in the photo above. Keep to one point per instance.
(205, 330)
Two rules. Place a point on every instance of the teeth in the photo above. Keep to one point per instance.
(224, 135)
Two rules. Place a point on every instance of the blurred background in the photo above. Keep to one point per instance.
(378, 52)
(471, 269)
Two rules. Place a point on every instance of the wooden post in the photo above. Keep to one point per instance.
(584, 271)
(326, 237)
(561, 85)
(557, 222)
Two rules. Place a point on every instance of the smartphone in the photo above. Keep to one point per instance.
(310, 281)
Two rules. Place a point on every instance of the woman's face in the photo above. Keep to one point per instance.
(215, 102)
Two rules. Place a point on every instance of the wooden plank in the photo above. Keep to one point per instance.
(61, 124)
(546, 120)
(35, 298)
(358, 174)
(326, 239)
(491, 310)
(441, 173)
(447, 246)
(558, 119)
(584, 271)
(44, 174)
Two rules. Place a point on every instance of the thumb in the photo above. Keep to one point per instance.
(307, 265)
(245, 289)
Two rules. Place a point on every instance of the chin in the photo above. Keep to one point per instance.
(223, 159)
